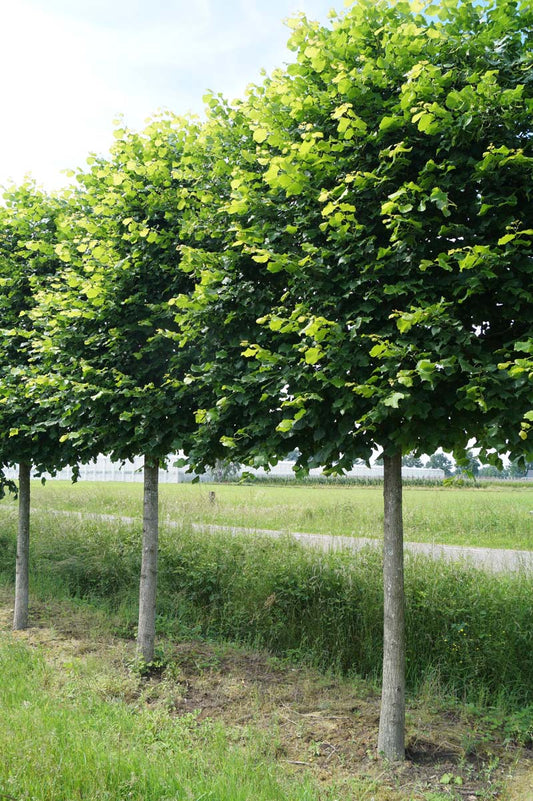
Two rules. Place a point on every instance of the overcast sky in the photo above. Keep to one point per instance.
(70, 67)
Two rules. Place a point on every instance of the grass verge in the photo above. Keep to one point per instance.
(469, 633)
(215, 722)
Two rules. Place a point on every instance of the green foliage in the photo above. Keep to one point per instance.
(386, 177)
(490, 471)
(6, 485)
(411, 460)
(225, 471)
(442, 462)
(107, 325)
(143, 669)
(468, 465)
(517, 470)
(31, 225)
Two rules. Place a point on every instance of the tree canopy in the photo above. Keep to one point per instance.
(391, 187)
(108, 323)
(31, 226)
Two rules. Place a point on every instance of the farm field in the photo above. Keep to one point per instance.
(489, 516)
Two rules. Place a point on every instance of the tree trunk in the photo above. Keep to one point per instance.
(391, 740)
(22, 584)
(148, 584)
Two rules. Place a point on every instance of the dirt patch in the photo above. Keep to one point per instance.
(520, 786)
(311, 722)
(329, 726)
(62, 629)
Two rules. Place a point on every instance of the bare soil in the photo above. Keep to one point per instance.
(315, 723)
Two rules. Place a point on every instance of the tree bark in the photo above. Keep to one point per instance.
(22, 584)
(391, 739)
(148, 584)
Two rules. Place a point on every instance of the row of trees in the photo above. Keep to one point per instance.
(339, 262)
(471, 467)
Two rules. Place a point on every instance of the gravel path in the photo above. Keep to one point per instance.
(494, 559)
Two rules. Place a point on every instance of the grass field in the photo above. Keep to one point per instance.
(217, 723)
(489, 516)
(469, 632)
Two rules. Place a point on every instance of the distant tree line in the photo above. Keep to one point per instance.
(472, 466)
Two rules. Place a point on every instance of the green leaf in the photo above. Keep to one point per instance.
(454, 100)
(379, 350)
(313, 355)
(387, 123)
(319, 63)
(425, 366)
(285, 425)
(394, 399)
(261, 258)
(251, 351)
(441, 200)
(260, 135)
(526, 346)
(389, 207)
(426, 123)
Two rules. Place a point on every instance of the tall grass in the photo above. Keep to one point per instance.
(336, 481)
(470, 631)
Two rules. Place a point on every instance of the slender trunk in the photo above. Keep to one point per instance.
(148, 584)
(22, 585)
(391, 740)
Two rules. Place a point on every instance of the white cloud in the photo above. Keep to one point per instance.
(52, 95)
(70, 67)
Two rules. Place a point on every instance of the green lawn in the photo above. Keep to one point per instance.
(491, 516)
(216, 723)
(78, 727)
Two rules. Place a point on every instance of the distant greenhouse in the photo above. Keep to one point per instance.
(104, 469)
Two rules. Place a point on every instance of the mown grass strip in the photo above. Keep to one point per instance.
(61, 740)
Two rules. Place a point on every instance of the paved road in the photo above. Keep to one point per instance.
(497, 560)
